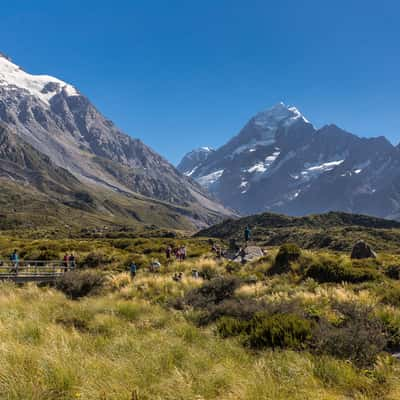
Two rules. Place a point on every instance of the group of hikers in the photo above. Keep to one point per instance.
(69, 261)
(178, 252)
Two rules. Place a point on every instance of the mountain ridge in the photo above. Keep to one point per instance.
(279, 162)
(61, 123)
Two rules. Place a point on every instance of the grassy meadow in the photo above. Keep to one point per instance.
(296, 324)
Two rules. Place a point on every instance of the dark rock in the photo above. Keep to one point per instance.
(362, 250)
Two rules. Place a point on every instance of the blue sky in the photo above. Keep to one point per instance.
(183, 74)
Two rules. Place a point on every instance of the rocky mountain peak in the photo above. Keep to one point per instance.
(279, 162)
(278, 114)
(57, 121)
(190, 160)
(42, 87)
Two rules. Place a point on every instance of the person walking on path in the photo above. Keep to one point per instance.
(168, 253)
(66, 261)
(71, 260)
(15, 261)
(183, 253)
(247, 234)
(133, 269)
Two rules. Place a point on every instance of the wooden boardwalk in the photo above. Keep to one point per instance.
(32, 270)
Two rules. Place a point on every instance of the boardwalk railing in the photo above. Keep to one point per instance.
(36, 270)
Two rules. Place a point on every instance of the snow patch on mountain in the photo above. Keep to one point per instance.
(251, 146)
(190, 173)
(43, 87)
(210, 179)
(262, 166)
(314, 171)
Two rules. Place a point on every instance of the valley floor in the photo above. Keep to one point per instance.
(156, 338)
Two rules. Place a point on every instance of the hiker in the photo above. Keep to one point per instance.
(14, 258)
(183, 253)
(195, 274)
(133, 269)
(155, 266)
(66, 260)
(177, 277)
(168, 252)
(247, 234)
(71, 260)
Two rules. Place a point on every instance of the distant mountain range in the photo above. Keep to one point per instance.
(55, 143)
(279, 162)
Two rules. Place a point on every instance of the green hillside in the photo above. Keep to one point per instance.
(334, 230)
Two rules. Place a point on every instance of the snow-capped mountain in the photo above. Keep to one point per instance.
(279, 162)
(58, 121)
(190, 161)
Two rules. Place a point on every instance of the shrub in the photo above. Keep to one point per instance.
(358, 337)
(95, 260)
(77, 284)
(287, 254)
(391, 326)
(207, 272)
(393, 271)
(232, 267)
(278, 330)
(327, 270)
(391, 296)
(212, 292)
(242, 309)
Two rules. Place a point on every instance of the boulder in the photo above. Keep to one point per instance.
(362, 250)
(249, 253)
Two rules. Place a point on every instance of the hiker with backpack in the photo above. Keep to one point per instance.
(71, 260)
(168, 252)
(132, 270)
(14, 258)
(247, 234)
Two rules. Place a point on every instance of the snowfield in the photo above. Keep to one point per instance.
(43, 87)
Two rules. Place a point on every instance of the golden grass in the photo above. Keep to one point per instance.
(108, 347)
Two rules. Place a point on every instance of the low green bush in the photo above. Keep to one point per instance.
(278, 330)
(208, 272)
(393, 272)
(391, 326)
(287, 254)
(95, 259)
(391, 296)
(327, 270)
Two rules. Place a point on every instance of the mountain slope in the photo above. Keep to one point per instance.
(58, 121)
(35, 192)
(279, 162)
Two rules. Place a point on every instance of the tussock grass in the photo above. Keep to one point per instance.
(127, 346)
(128, 338)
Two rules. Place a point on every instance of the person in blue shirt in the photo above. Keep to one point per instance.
(15, 261)
(247, 234)
(133, 269)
